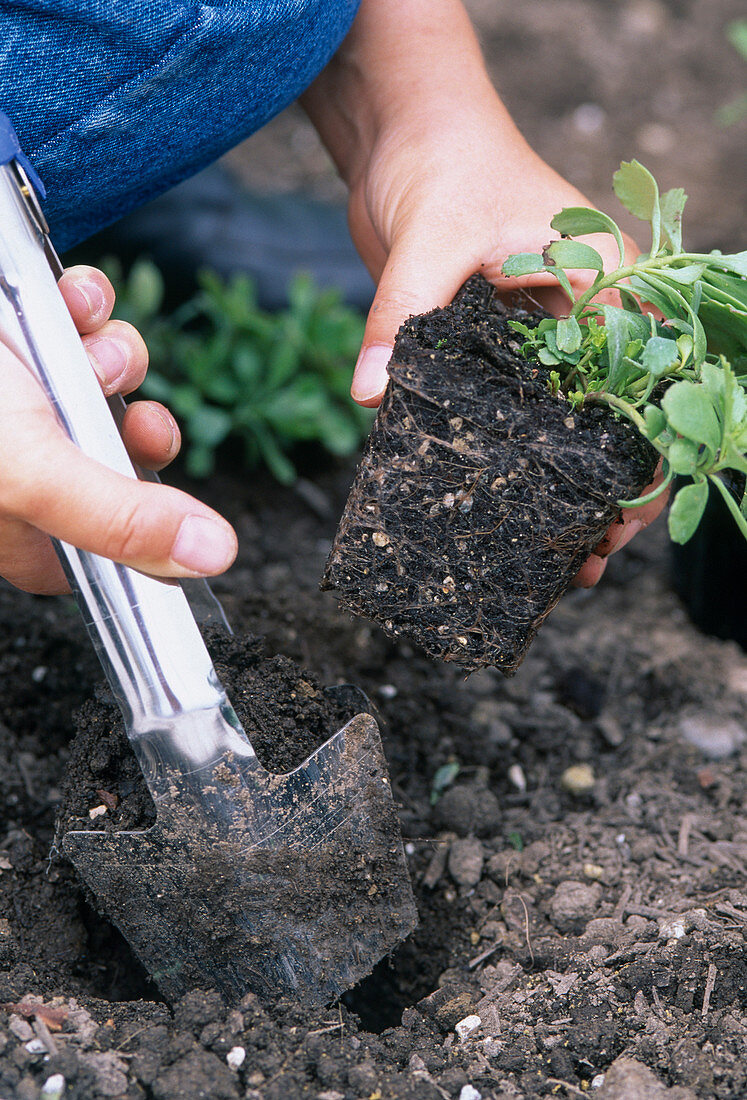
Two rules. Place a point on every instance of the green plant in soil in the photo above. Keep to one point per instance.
(680, 378)
(230, 370)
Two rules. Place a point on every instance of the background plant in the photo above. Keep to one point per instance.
(230, 370)
(680, 379)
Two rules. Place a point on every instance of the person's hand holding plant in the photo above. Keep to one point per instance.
(442, 184)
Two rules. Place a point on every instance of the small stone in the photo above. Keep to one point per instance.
(469, 1092)
(517, 778)
(466, 858)
(465, 810)
(380, 539)
(674, 927)
(235, 1057)
(53, 1087)
(468, 1026)
(594, 871)
(716, 737)
(578, 779)
(97, 811)
(387, 691)
(626, 1078)
(598, 1081)
(21, 1028)
(573, 904)
(36, 1046)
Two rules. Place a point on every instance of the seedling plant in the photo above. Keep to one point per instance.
(230, 370)
(679, 377)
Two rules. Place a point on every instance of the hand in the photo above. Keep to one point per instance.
(48, 487)
(442, 184)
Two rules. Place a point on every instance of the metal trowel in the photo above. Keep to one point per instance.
(276, 884)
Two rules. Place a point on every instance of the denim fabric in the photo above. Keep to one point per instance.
(115, 101)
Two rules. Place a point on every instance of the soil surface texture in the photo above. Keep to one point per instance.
(480, 494)
(578, 868)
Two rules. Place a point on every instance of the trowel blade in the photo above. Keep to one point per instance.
(299, 889)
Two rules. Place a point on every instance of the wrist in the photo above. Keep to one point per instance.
(404, 65)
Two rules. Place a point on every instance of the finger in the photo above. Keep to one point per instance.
(118, 355)
(590, 572)
(151, 434)
(153, 528)
(418, 276)
(28, 560)
(88, 295)
(51, 485)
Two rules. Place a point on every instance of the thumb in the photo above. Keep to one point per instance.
(415, 279)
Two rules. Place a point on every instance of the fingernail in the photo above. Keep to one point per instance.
(109, 360)
(203, 546)
(169, 425)
(88, 298)
(370, 378)
(631, 530)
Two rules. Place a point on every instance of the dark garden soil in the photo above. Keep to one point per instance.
(580, 882)
(479, 494)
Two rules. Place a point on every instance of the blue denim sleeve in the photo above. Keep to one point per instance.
(115, 101)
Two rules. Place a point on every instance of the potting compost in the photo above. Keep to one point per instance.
(480, 493)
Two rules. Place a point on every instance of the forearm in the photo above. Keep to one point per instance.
(404, 63)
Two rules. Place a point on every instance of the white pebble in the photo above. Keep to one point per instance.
(235, 1057)
(517, 778)
(469, 1092)
(467, 1026)
(97, 811)
(36, 1046)
(53, 1087)
(388, 691)
(39, 673)
(598, 1081)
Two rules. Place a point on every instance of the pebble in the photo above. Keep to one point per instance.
(21, 1028)
(468, 1026)
(466, 809)
(578, 779)
(235, 1057)
(517, 778)
(469, 1092)
(627, 1078)
(53, 1087)
(466, 859)
(574, 903)
(716, 737)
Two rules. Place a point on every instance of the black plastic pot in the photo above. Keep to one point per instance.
(710, 574)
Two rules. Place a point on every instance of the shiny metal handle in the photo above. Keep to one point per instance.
(142, 628)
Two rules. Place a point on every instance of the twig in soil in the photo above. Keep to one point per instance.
(42, 1033)
(709, 987)
(620, 908)
(683, 839)
(526, 931)
(484, 955)
(625, 954)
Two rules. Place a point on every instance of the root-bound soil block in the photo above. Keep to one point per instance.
(479, 494)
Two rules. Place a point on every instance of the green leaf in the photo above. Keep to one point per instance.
(690, 413)
(638, 191)
(576, 221)
(683, 456)
(523, 263)
(686, 275)
(573, 254)
(655, 420)
(687, 510)
(672, 205)
(659, 355)
(209, 426)
(568, 335)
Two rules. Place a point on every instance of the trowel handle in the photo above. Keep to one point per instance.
(142, 628)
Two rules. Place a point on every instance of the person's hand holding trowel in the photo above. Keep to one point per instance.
(48, 487)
